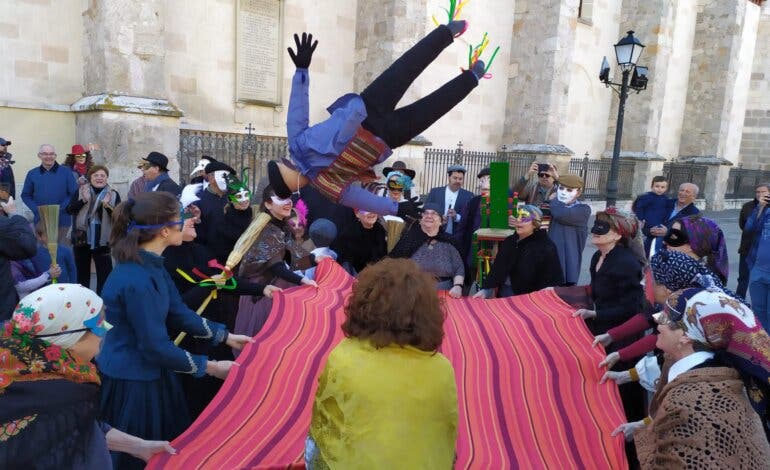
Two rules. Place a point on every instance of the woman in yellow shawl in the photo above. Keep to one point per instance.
(386, 398)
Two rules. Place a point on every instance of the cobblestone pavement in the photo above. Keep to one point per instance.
(727, 220)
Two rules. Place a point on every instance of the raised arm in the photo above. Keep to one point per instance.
(299, 101)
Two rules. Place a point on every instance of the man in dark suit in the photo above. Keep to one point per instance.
(682, 206)
(451, 197)
(470, 221)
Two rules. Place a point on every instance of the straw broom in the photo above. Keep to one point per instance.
(50, 216)
(243, 244)
(394, 229)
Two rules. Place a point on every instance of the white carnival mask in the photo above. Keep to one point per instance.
(200, 167)
(219, 177)
(566, 195)
(243, 195)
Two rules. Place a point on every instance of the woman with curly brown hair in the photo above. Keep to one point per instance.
(386, 398)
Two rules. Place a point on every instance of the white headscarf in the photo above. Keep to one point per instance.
(62, 307)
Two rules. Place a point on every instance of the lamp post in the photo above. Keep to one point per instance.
(627, 52)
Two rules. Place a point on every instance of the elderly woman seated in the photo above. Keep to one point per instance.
(433, 250)
(386, 398)
(49, 388)
(527, 259)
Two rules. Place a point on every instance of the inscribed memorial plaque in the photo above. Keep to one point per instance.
(258, 51)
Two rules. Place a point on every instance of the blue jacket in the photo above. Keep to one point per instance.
(54, 186)
(759, 256)
(64, 258)
(653, 209)
(315, 147)
(438, 196)
(139, 300)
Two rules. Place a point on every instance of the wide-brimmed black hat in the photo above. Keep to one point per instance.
(217, 166)
(157, 159)
(398, 165)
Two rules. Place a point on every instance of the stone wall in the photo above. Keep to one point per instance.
(677, 78)
(653, 24)
(719, 78)
(755, 142)
(41, 59)
(588, 104)
(542, 46)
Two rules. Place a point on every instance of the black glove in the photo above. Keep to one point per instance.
(409, 209)
(305, 49)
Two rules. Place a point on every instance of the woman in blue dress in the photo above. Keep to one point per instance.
(141, 393)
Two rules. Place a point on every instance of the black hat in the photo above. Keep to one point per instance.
(484, 172)
(4, 142)
(157, 159)
(218, 166)
(398, 165)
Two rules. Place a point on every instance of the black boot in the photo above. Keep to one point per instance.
(276, 180)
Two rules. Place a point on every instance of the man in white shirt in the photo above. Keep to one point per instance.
(451, 197)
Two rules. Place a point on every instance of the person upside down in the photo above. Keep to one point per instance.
(335, 155)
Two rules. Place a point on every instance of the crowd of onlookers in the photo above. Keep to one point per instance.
(158, 253)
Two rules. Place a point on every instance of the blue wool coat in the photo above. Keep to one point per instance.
(140, 298)
(54, 186)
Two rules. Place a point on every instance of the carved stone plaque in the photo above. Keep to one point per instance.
(259, 51)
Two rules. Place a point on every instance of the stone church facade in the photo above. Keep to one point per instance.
(129, 75)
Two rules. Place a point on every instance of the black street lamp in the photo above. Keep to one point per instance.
(627, 52)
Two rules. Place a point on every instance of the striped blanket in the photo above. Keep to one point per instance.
(526, 377)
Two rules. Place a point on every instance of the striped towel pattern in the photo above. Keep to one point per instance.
(526, 376)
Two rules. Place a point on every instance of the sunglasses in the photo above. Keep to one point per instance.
(543, 175)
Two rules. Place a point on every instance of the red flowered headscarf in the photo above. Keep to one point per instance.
(53, 309)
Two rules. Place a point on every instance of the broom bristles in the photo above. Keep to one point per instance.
(394, 229)
(49, 214)
(247, 239)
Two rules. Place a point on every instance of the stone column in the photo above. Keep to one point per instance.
(385, 29)
(541, 48)
(125, 110)
(720, 74)
(653, 23)
(755, 143)
(716, 181)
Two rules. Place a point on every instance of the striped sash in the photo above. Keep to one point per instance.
(353, 164)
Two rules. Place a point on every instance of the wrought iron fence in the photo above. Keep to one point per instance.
(679, 172)
(595, 174)
(437, 161)
(237, 150)
(743, 181)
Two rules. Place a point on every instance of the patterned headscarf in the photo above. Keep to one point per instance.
(707, 240)
(677, 270)
(726, 325)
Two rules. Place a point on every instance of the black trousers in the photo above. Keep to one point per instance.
(398, 126)
(102, 261)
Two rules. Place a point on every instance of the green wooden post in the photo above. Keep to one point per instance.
(498, 194)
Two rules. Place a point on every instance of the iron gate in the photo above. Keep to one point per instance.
(237, 150)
